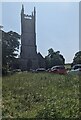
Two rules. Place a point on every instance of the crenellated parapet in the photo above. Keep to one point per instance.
(26, 16)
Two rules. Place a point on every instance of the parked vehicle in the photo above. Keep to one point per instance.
(58, 69)
(76, 69)
(40, 70)
(32, 70)
(48, 70)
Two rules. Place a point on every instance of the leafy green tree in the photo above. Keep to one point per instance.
(54, 58)
(10, 46)
(51, 53)
(77, 58)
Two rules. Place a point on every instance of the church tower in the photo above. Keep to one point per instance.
(29, 59)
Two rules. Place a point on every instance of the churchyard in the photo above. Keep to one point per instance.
(40, 95)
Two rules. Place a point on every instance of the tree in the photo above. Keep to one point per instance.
(54, 58)
(51, 53)
(10, 46)
(77, 58)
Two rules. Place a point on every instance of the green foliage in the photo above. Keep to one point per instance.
(10, 45)
(54, 58)
(77, 58)
(49, 111)
(40, 95)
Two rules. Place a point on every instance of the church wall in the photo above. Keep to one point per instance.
(28, 26)
(41, 61)
(27, 39)
(27, 52)
(24, 64)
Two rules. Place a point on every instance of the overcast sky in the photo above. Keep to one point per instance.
(57, 25)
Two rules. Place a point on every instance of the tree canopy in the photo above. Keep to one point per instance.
(10, 46)
(54, 58)
(77, 58)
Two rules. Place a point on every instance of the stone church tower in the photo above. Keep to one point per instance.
(29, 58)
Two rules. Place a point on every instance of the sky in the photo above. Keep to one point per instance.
(57, 25)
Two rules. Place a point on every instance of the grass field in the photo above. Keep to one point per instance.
(40, 95)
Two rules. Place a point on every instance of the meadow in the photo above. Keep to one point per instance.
(40, 95)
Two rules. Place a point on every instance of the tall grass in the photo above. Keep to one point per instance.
(40, 95)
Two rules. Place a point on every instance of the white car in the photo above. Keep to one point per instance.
(76, 69)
